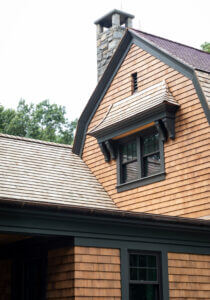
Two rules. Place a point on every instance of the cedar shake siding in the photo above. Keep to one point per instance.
(97, 274)
(185, 191)
(5, 279)
(60, 274)
(189, 276)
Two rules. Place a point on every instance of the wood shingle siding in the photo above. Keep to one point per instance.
(5, 279)
(97, 273)
(204, 79)
(189, 276)
(60, 274)
(185, 191)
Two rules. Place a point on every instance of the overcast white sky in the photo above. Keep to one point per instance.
(48, 47)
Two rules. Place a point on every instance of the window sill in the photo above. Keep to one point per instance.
(140, 182)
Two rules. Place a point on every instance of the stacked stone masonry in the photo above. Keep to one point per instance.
(107, 43)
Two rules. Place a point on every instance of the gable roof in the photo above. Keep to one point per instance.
(195, 58)
(172, 54)
(42, 172)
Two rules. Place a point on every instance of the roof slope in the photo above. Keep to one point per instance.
(133, 107)
(37, 171)
(195, 58)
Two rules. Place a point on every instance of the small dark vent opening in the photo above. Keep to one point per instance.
(134, 82)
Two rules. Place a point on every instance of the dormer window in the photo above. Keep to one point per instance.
(134, 131)
(134, 82)
(140, 159)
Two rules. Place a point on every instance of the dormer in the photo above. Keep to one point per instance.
(134, 130)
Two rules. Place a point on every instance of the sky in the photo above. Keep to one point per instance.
(48, 47)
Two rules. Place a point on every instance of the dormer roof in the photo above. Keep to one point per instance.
(135, 108)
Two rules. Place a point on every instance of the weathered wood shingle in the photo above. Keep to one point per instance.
(135, 106)
(38, 171)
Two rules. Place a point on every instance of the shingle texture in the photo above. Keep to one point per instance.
(195, 58)
(134, 107)
(204, 80)
(38, 171)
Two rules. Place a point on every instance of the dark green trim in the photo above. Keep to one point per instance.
(99, 93)
(140, 182)
(108, 225)
(103, 85)
(124, 273)
(143, 245)
(165, 283)
(201, 96)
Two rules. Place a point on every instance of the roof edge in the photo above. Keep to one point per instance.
(116, 215)
(20, 138)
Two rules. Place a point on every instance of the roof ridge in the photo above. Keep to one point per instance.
(34, 140)
(166, 39)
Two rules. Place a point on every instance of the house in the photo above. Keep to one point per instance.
(124, 214)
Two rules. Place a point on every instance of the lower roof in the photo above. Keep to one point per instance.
(42, 172)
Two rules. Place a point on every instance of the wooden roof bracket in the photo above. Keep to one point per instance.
(161, 130)
(108, 150)
(169, 123)
(104, 151)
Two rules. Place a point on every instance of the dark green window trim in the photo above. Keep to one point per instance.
(141, 180)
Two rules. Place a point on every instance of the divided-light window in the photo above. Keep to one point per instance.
(144, 276)
(140, 157)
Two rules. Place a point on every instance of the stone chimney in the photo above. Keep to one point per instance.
(110, 29)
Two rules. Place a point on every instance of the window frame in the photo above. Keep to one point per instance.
(140, 181)
(158, 282)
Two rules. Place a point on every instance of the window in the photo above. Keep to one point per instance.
(144, 276)
(134, 82)
(140, 159)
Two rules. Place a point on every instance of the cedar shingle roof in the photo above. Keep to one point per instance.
(134, 107)
(38, 171)
(196, 58)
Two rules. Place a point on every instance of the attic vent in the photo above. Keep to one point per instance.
(134, 82)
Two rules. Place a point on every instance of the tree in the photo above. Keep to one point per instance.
(43, 121)
(206, 47)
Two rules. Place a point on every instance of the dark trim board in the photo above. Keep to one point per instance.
(111, 229)
(99, 93)
(130, 38)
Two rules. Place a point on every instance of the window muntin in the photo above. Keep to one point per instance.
(144, 276)
(140, 156)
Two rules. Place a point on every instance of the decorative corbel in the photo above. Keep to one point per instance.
(169, 124)
(110, 148)
(161, 130)
(104, 151)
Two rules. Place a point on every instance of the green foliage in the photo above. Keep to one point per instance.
(206, 47)
(43, 121)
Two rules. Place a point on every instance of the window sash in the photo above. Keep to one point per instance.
(138, 138)
(157, 283)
